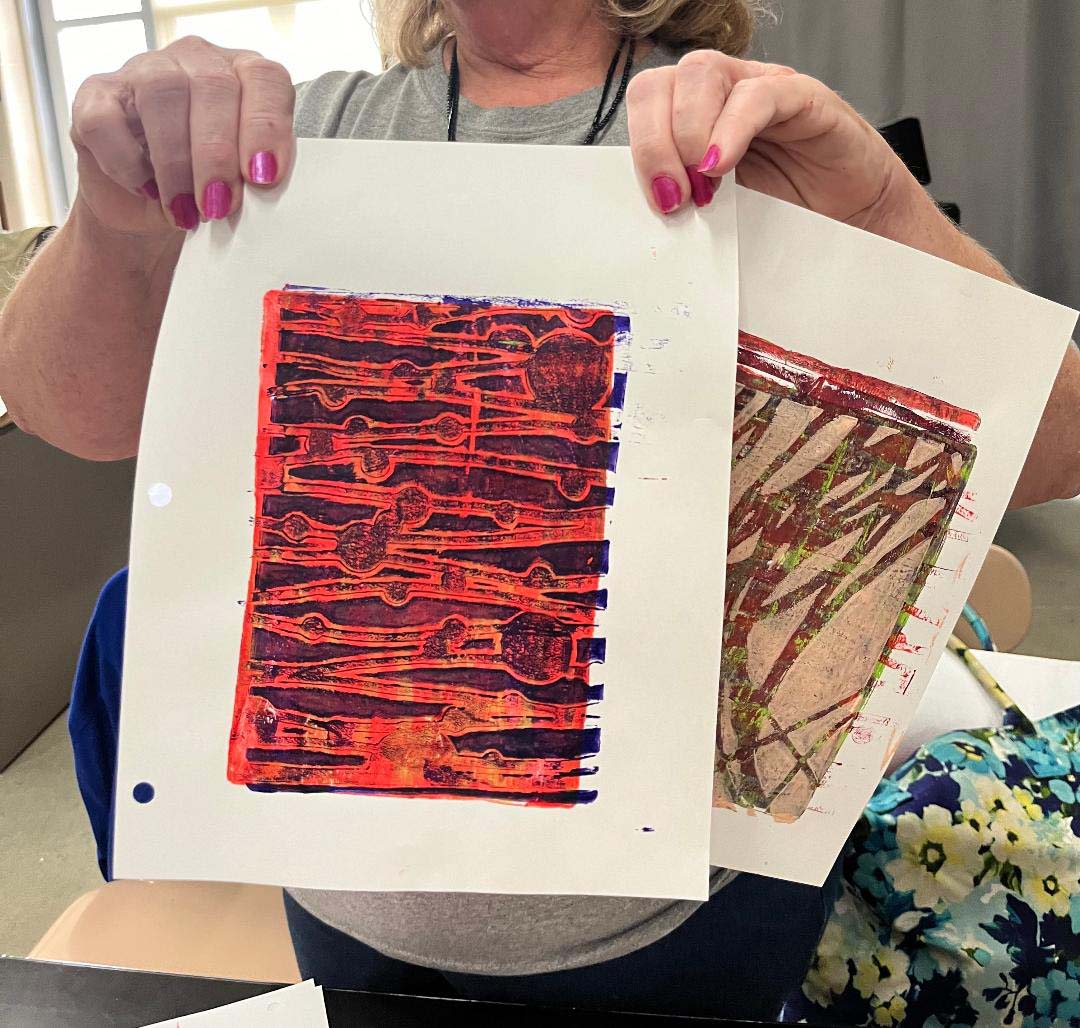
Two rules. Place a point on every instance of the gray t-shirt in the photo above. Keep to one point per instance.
(468, 932)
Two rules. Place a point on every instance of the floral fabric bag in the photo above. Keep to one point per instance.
(961, 900)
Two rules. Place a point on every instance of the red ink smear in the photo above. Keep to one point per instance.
(901, 644)
(431, 487)
(920, 615)
(904, 681)
(832, 383)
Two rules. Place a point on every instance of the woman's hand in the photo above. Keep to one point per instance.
(785, 134)
(174, 134)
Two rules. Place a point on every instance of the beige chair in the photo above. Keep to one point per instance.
(1002, 598)
(208, 929)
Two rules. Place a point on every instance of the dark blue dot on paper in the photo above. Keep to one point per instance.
(143, 792)
(648, 829)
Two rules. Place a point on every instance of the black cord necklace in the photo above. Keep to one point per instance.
(600, 121)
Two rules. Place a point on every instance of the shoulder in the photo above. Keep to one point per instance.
(16, 250)
(323, 103)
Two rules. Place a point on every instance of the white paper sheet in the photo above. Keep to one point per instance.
(1039, 686)
(561, 224)
(955, 700)
(855, 301)
(298, 1006)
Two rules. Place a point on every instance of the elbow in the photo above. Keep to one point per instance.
(1060, 481)
(101, 447)
(1063, 474)
(13, 414)
(100, 452)
(1067, 486)
(96, 448)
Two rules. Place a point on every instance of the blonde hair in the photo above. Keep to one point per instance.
(409, 29)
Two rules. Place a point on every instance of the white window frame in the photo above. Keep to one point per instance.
(42, 33)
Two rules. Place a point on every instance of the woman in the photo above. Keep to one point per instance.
(175, 136)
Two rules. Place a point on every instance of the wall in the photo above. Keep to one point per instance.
(65, 530)
(996, 85)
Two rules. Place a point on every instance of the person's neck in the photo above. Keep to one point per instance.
(527, 52)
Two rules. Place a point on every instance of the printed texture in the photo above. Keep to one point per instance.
(432, 481)
(842, 490)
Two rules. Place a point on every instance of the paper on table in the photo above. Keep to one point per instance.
(298, 1006)
(954, 700)
(564, 225)
(852, 328)
(1039, 686)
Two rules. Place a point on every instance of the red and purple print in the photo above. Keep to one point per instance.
(432, 477)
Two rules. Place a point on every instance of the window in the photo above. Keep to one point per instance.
(80, 38)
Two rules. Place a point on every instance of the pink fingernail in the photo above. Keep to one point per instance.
(701, 188)
(666, 192)
(185, 211)
(216, 200)
(263, 168)
(149, 189)
(711, 159)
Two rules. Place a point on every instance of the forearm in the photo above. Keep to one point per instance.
(77, 336)
(1052, 469)
(906, 213)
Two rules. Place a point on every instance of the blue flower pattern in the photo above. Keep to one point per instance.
(961, 900)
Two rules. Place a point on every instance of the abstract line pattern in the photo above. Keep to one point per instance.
(842, 490)
(432, 481)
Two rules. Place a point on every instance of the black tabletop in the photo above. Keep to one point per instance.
(42, 994)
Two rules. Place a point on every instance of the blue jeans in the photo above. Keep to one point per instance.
(739, 955)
